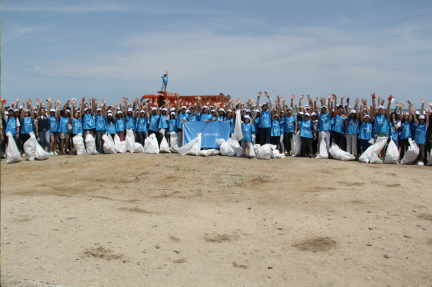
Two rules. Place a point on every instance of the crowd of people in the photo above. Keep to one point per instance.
(351, 125)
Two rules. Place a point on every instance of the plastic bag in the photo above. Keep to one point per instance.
(264, 152)
(225, 148)
(237, 135)
(430, 158)
(392, 154)
(130, 140)
(12, 153)
(276, 154)
(193, 147)
(252, 152)
(78, 142)
(120, 145)
(151, 144)
(256, 148)
(339, 154)
(174, 142)
(297, 144)
(164, 146)
(90, 144)
(322, 152)
(412, 153)
(235, 147)
(108, 146)
(138, 148)
(30, 147)
(377, 147)
(209, 152)
(41, 154)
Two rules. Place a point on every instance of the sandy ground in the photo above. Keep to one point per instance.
(171, 220)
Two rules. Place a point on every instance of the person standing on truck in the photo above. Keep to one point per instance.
(164, 80)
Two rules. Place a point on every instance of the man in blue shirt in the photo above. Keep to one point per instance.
(265, 121)
(164, 80)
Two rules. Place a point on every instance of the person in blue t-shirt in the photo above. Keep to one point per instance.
(164, 80)
(380, 123)
(304, 126)
(394, 126)
(246, 141)
(365, 131)
(420, 134)
(352, 129)
(265, 119)
(405, 131)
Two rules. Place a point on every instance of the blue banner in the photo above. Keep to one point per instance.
(210, 132)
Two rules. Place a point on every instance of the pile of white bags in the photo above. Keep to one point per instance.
(138, 148)
(164, 147)
(412, 153)
(339, 154)
(108, 146)
(12, 153)
(225, 148)
(193, 147)
(90, 144)
(151, 144)
(209, 152)
(297, 144)
(264, 152)
(392, 153)
(120, 145)
(275, 152)
(30, 147)
(130, 140)
(78, 142)
(256, 148)
(371, 154)
(238, 151)
(322, 152)
(174, 142)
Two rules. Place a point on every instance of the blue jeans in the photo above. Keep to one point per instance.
(99, 140)
(164, 87)
(287, 139)
(45, 140)
(265, 134)
(142, 137)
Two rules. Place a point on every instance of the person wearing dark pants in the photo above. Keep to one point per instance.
(265, 120)
(304, 126)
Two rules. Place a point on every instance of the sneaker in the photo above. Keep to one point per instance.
(23, 154)
(250, 157)
(51, 153)
(55, 153)
(420, 163)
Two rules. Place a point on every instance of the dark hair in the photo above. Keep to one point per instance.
(391, 116)
(354, 118)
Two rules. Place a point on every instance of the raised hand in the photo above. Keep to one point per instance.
(301, 96)
(283, 99)
(292, 97)
(373, 96)
(382, 102)
(316, 99)
(401, 106)
(329, 96)
(267, 95)
(423, 101)
(357, 101)
(342, 96)
(259, 95)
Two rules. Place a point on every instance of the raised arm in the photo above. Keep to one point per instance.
(373, 111)
(292, 101)
(258, 98)
(423, 101)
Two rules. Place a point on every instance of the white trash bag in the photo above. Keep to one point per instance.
(41, 154)
(174, 142)
(322, 152)
(297, 144)
(90, 144)
(30, 147)
(193, 147)
(377, 147)
(235, 147)
(120, 145)
(164, 147)
(256, 148)
(276, 154)
(430, 158)
(264, 152)
(108, 146)
(78, 142)
(151, 144)
(237, 135)
(339, 154)
(130, 140)
(392, 154)
(209, 152)
(412, 153)
(12, 153)
(225, 148)
(138, 148)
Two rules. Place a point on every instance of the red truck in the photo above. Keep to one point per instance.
(162, 96)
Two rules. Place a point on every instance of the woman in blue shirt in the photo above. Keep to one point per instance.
(246, 141)
(394, 126)
(405, 131)
(119, 122)
(142, 127)
(365, 132)
(420, 135)
(275, 130)
(304, 126)
(352, 130)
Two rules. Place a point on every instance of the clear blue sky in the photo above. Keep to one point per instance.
(65, 49)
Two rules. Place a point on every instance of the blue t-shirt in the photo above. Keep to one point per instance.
(120, 125)
(142, 124)
(205, 117)
(130, 122)
(265, 119)
(290, 124)
(275, 129)
(27, 125)
(282, 125)
(392, 131)
(405, 130)
(380, 125)
(11, 126)
(257, 124)
(365, 132)
(163, 122)
(100, 123)
(305, 128)
(324, 122)
(352, 127)
(154, 122)
(180, 119)
(88, 122)
(54, 124)
(339, 124)
(77, 126)
(111, 127)
(173, 125)
(64, 121)
(246, 131)
(420, 133)
(194, 118)
(165, 80)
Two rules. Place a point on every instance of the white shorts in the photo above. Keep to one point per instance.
(246, 144)
(64, 135)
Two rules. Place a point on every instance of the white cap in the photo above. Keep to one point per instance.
(306, 107)
(313, 114)
(248, 111)
(118, 108)
(119, 112)
(154, 109)
(422, 117)
(77, 111)
(257, 111)
(35, 111)
(142, 111)
(73, 99)
(381, 107)
(52, 110)
(20, 107)
(192, 107)
(27, 110)
(221, 110)
(67, 110)
(184, 107)
(109, 114)
(289, 108)
(307, 115)
(109, 111)
(406, 114)
(353, 112)
(246, 117)
(212, 107)
(301, 113)
(323, 107)
(164, 109)
(229, 111)
(86, 109)
(417, 113)
(172, 113)
(275, 115)
(205, 107)
(212, 111)
(99, 109)
(172, 109)
(367, 116)
(187, 112)
(130, 110)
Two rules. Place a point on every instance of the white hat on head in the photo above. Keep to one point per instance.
(130, 110)
(221, 110)
(248, 111)
(307, 115)
(381, 107)
(290, 108)
(417, 113)
(27, 110)
(367, 116)
(187, 111)
(229, 111)
(142, 111)
(406, 114)
(154, 109)
(119, 112)
(313, 114)
(109, 114)
(86, 109)
(99, 109)
(353, 112)
(205, 107)
(323, 107)
(246, 117)
(184, 107)
(67, 110)
(422, 117)
(301, 113)
(109, 111)
(212, 111)
(192, 107)
(275, 115)
(172, 113)
(172, 109)
(211, 107)
(52, 110)
(20, 107)
(164, 109)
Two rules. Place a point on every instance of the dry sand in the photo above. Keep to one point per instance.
(171, 220)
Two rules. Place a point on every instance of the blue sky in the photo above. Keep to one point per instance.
(107, 49)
